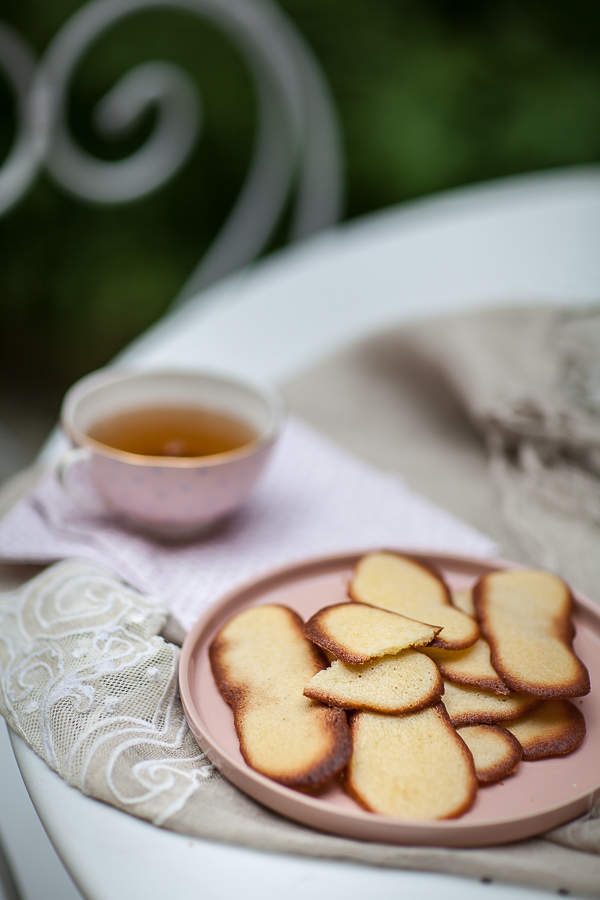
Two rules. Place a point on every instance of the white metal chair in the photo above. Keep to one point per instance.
(297, 146)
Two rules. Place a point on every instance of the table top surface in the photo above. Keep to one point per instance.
(525, 239)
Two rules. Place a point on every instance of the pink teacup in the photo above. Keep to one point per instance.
(170, 495)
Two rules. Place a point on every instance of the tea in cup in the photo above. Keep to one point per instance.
(172, 452)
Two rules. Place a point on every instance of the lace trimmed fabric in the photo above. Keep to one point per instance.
(89, 683)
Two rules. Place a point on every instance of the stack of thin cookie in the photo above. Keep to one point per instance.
(444, 692)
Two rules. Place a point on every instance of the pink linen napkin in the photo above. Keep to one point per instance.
(314, 499)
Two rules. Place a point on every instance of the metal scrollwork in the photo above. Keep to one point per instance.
(297, 141)
(20, 166)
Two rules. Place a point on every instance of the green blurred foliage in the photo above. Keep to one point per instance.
(431, 94)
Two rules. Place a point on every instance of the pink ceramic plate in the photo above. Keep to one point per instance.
(540, 796)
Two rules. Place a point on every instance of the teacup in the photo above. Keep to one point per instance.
(169, 488)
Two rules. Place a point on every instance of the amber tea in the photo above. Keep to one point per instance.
(177, 431)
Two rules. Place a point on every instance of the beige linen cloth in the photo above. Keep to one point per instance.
(495, 416)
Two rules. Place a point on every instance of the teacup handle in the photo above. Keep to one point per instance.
(77, 456)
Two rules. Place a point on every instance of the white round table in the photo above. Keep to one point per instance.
(524, 239)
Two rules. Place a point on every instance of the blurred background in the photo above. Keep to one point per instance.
(431, 95)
